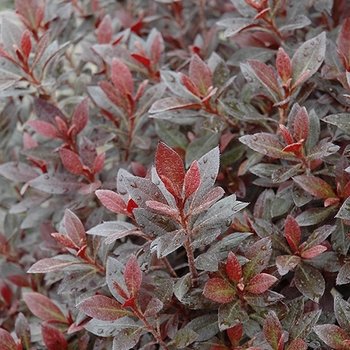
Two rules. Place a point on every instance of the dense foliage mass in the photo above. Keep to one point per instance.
(175, 175)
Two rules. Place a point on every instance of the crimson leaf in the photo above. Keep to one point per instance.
(273, 330)
(133, 276)
(333, 336)
(74, 228)
(53, 338)
(170, 169)
(219, 290)
(42, 307)
(102, 308)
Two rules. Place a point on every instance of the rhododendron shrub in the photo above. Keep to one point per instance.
(175, 175)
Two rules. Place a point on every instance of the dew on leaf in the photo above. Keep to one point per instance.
(133, 184)
(100, 331)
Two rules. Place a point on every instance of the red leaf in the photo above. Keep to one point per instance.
(164, 209)
(18, 280)
(6, 341)
(344, 44)
(42, 307)
(313, 251)
(142, 59)
(102, 308)
(157, 48)
(297, 344)
(81, 115)
(273, 330)
(293, 147)
(64, 240)
(288, 138)
(233, 268)
(30, 10)
(105, 30)
(74, 228)
(265, 144)
(112, 201)
(50, 264)
(260, 283)
(53, 338)
(26, 44)
(133, 276)
(41, 47)
(332, 335)
(44, 128)
(219, 290)
(292, 233)
(172, 103)
(301, 125)
(113, 94)
(208, 200)
(235, 333)
(71, 161)
(121, 77)
(192, 179)
(200, 74)
(266, 76)
(99, 163)
(6, 293)
(170, 167)
(283, 65)
(189, 84)
(315, 186)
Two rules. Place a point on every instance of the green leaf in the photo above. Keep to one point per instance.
(309, 282)
(341, 120)
(231, 314)
(302, 326)
(344, 211)
(206, 326)
(259, 254)
(200, 146)
(308, 57)
(342, 312)
(184, 337)
(313, 216)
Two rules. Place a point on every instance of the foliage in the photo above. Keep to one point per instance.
(175, 175)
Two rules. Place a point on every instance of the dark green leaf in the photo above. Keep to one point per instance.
(309, 282)
(231, 314)
(184, 337)
(342, 312)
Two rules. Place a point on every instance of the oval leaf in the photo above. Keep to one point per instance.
(102, 308)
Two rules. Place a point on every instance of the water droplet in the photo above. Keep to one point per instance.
(142, 226)
(255, 138)
(46, 177)
(123, 193)
(138, 198)
(205, 160)
(263, 247)
(228, 223)
(319, 59)
(133, 184)
(156, 195)
(261, 262)
(213, 177)
(306, 54)
(100, 331)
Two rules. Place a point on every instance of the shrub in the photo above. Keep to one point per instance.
(175, 175)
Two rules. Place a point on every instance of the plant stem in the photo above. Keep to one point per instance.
(191, 265)
(149, 327)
